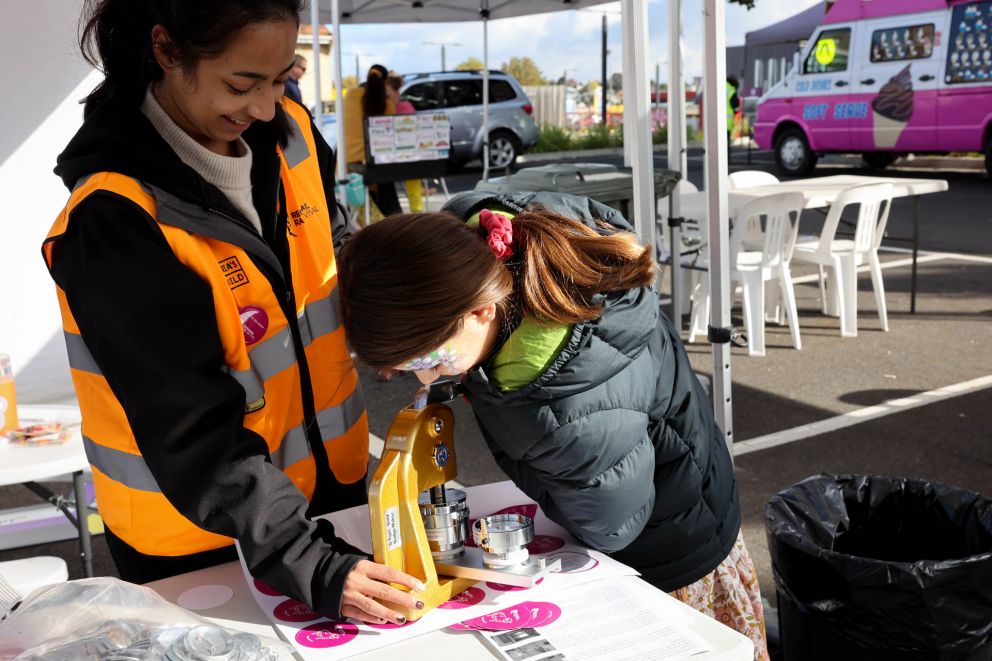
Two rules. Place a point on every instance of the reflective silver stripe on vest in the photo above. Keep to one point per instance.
(268, 358)
(320, 318)
(296, 150)
(80, 357)
(333, 421)
(128, 469)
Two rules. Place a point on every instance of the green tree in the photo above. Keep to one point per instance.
(747, 3)
(524, 70)
(471, 64)
(616, 82)
(349, 82)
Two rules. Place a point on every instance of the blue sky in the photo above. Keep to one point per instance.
(556, 41)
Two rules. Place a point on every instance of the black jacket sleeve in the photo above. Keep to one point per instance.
(150, 324)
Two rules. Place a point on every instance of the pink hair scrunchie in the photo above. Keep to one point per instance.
(499, 232)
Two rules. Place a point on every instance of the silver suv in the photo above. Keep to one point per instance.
(459, 95)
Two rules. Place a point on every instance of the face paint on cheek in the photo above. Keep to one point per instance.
(446, 357)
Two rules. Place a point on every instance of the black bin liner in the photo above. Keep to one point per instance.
(881, 568)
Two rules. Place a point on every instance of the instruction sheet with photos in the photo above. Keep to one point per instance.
(615, 620)
(409, 138)
(317, 638)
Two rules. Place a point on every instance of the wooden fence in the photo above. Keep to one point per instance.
(549, 104)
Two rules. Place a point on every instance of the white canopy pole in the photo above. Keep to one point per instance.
(338, 88)
(318, 105)
(715, 122)
(626, 74)
(637, 116)
(485, 91)
(676, 140)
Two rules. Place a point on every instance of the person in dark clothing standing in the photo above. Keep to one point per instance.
(293, 79)
(197, 282)
(544, 303)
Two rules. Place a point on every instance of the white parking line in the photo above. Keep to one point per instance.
(946, 255)
(895, 263)
(861, 415)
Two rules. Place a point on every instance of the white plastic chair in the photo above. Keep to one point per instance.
(693, 236)
(27, 574)
(750, 179)
(844, 255)
(753, 268)
(690, 229)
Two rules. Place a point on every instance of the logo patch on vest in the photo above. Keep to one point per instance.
(299, 217)
(251, 407)
(233, 273)
(254, 323)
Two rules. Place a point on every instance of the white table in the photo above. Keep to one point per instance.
(20, 464)
(818, 192)
(242, 613)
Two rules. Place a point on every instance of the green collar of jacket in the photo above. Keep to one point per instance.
(531, 347)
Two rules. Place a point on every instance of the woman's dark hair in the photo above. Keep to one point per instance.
(407, 281)
(374, 100)
(116, 37)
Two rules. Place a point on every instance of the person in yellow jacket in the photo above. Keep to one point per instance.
(733, 106)
(195, 272)
(370, 99)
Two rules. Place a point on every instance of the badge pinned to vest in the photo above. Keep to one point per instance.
(254, 323)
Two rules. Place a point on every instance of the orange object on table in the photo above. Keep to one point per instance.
(8, 396)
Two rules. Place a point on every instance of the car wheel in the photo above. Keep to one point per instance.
(792, 153)
(879, 160)
(504, 147)
(988, 158)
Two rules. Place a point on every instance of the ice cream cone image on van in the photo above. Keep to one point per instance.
(892, 109)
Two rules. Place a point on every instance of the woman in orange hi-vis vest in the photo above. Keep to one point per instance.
(195, 271)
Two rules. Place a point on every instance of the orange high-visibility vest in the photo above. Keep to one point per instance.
(258, 346)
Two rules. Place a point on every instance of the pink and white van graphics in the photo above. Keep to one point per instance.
(885, 78)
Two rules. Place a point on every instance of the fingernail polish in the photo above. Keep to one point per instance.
(419, 587)
(401, 619)
(419, 605)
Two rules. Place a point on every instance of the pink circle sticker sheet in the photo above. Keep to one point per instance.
(488, 606)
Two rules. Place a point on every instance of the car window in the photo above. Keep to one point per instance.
(463, 93)
(424, 96)
(500, 90)
(830, 53)
(969, 50)
(903, 43)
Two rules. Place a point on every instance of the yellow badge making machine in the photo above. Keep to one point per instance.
(420, 527)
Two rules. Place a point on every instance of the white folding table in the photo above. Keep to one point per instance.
(27, 465)
(242, 613)
(818, 192)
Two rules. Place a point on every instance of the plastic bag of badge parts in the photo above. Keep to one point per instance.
(110, 620)
(884, 566)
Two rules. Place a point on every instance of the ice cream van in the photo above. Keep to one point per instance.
(884, 78)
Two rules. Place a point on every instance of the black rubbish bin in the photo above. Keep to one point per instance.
(609, 184)
(871, 568)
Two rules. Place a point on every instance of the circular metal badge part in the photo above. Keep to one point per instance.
(504, 538)
(446, 524)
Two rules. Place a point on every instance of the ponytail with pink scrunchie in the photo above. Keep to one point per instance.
(499, 233)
